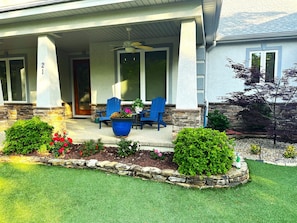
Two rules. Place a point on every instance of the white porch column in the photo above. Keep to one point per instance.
(186, 93)
(48, 84)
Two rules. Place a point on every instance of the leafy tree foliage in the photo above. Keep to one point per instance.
(260, 100)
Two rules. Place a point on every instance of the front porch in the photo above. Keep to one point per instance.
(83, 129)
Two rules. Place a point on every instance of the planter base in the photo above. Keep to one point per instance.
(121, 127)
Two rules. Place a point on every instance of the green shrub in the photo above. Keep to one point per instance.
(127, 148)
(26, 136)
(255, 149)
(290, 152)
(90, 147)
(203, 151)
(218, 121)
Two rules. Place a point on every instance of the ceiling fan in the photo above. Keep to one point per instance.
(131, 46)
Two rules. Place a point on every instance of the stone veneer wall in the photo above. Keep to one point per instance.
(179, 118)
(167, 116)
(9, 113)
(19, 111)
(185, 118)
(288, 116)
(53, 116)
(233, 177)
(3, 118)
(230, 111)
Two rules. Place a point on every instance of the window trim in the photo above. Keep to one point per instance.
(8, 76)
(142, 71)
(265, 49)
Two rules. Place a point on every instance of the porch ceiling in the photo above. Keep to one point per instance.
(77, 39)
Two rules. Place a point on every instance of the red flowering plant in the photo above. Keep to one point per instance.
(60, 144)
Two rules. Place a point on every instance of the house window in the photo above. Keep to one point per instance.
(13, 79)
(143, 74)
(266, 62)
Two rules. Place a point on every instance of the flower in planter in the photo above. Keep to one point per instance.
(156, 154)
(60, 144)
(125, 113)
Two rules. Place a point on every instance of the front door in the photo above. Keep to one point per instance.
(82, 93)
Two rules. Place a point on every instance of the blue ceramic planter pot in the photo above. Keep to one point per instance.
(121, 126)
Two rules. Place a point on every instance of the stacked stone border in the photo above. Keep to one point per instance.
(233, 178)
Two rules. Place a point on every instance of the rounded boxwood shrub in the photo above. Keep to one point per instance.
(203, 151)
(26, 136)
(218, 121)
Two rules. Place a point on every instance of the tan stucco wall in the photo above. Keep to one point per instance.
(103, 69)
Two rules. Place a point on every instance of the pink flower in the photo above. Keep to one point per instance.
(156, 151)
(128, 111)
(65, 144)
(159, 154)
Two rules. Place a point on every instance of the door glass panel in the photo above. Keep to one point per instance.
(81, 70)
(155, 74)
(130, 76)
(18, 80)
(270, 67)
(3, 80)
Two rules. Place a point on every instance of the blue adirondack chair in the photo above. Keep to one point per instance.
(113, 105)
(155, 113)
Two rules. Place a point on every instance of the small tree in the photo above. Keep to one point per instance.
(262, 97)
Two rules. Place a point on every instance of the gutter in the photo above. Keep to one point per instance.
(213, 45)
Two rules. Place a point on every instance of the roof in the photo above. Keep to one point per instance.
(257, 19)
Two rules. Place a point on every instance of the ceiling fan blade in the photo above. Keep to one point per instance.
(135, 44)
(144, 47)
(118, 48)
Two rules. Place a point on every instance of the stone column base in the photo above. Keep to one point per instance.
(185, 118)
(3, 118)
(53, 116)
(93, 112)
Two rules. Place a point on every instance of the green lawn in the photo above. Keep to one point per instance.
(35, 193)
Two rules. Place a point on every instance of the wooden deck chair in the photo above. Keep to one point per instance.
(155, 113)
(113, 105)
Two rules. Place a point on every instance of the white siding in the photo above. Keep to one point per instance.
(220, 78)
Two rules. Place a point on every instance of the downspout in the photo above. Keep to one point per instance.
(214, 43)
(205, 113)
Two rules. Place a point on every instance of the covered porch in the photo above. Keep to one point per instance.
(83, 129)
(78, 53)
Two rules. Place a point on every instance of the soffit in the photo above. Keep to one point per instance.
(79, 39)
(70, 8)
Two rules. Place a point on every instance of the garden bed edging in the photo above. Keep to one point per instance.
(232, 178)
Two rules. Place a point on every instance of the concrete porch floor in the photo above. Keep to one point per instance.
(149, 137)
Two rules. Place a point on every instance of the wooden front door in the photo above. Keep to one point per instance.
(82, 92)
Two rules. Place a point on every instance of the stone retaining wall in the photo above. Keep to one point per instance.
(233, 178)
